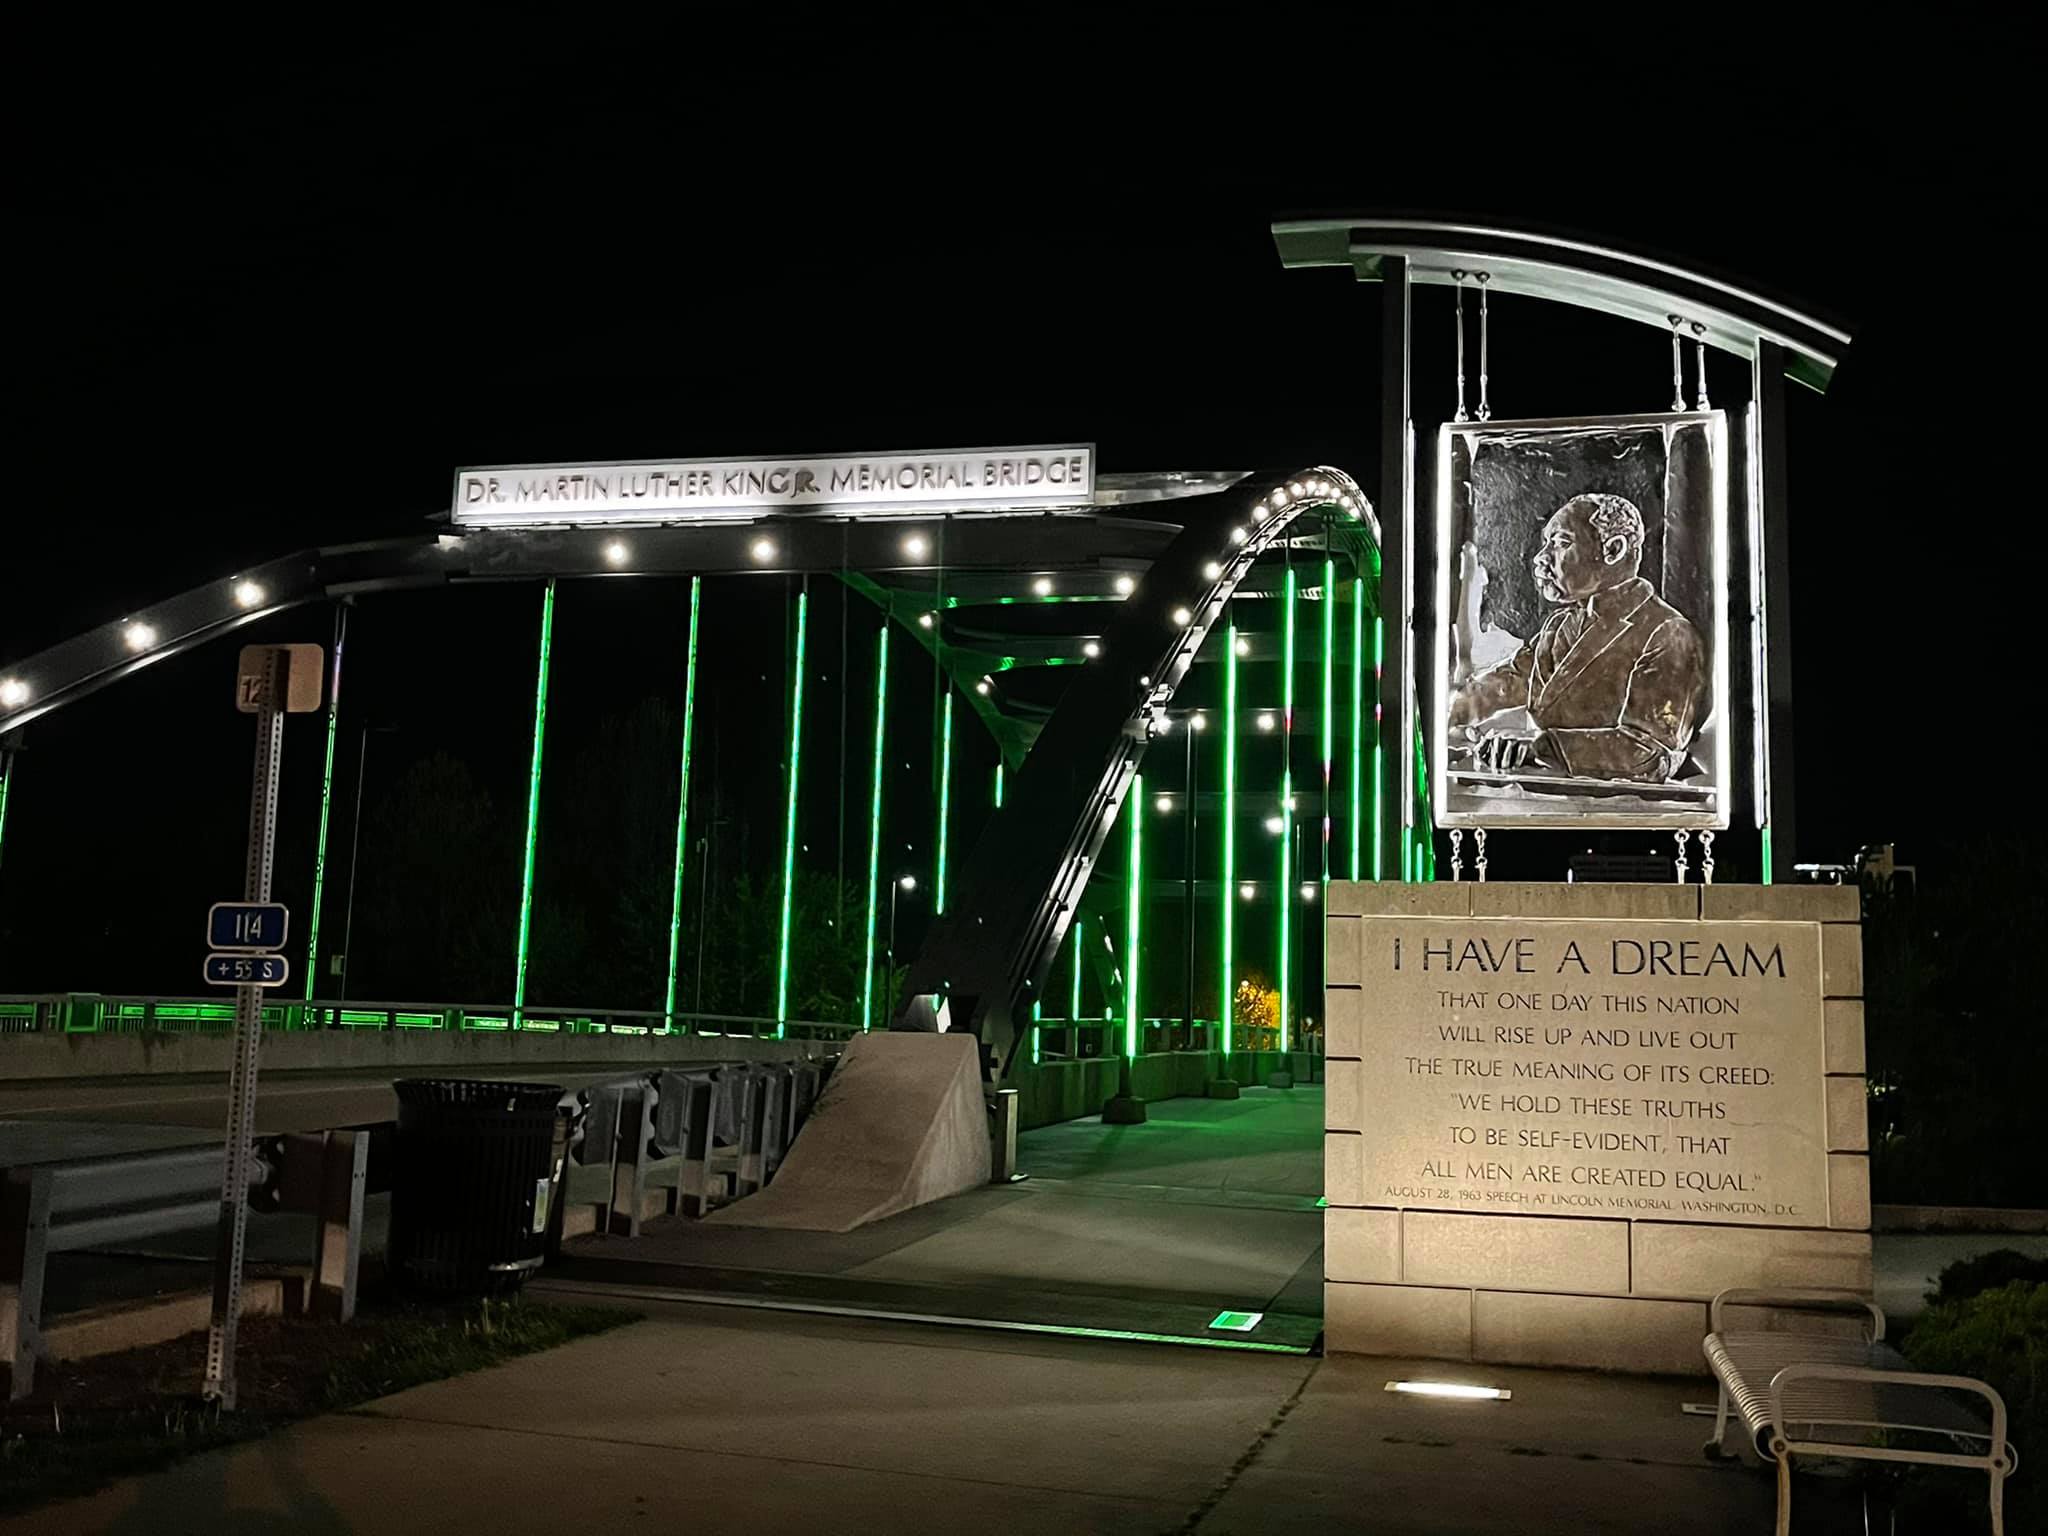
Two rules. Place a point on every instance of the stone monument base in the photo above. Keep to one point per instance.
(1473, 1275)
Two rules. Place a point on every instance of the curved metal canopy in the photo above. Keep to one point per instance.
(1573, 271)
(1089, 547)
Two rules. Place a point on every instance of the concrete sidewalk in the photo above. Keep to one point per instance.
(711, 1418)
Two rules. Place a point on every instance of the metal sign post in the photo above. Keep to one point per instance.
(263, 689)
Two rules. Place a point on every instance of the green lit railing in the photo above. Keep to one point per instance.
(96, 1013)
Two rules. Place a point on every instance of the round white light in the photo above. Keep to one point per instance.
(917, 546)
(615, 552)
(908, 882)
(925, 620)
(249, 594)
(1091, 649)
(1201, 722)
(1308, 891)
(1244, 647)
(1238, 534)
(1042, 587)
(13, 693)
(764, 550)
(1182, 616)
(1212, 570)
(1279, 499)
(1294, 489)
(1163, 804)
(1126, 585)
(1163, 726)
(1246, 890)
(139, 636)
(1266, 720)
(982, 687)
(1275, 825)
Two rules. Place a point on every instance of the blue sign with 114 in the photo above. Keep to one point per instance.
(246, 925)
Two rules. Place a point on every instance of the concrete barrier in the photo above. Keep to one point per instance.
(45, 1057)
(1054, 1091)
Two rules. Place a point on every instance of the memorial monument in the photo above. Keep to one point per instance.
(1561, 1115)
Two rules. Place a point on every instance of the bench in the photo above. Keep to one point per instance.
(1836, 1394)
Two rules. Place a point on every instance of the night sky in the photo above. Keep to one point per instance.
(271, 290)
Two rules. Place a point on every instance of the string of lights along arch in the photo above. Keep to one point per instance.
(999, 610)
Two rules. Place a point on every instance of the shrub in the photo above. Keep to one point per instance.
(1999, 1336)
(1987, 1272)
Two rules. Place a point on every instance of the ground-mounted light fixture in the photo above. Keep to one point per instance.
(1461, 1390)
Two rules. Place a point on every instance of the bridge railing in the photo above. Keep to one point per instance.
(108, 1013)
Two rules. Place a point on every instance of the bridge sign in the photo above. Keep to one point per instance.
(244, 970)
(249, 925)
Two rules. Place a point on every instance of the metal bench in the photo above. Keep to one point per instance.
(1815, 1394)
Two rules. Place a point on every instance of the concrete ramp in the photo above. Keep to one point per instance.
(900, 1124)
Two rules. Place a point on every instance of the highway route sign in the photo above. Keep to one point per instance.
(250, 925)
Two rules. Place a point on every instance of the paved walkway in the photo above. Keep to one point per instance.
(1152, 1228)
(704, 1418)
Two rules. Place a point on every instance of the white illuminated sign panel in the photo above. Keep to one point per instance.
(684, 490)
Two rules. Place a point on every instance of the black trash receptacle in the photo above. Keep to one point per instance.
(470, 1196)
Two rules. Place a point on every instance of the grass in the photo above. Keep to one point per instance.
(92, 1422)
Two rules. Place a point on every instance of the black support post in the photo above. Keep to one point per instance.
(1777, 552)
(1398, 659)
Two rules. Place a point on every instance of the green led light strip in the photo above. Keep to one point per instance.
(540, 731)
(1229, 902)
(1358, 732)
(1074, 1001)
(999, 786)
(945, 794)
(326, 803)
(1286, 962)
(786, 1303)
(675, 911)
(796, 752)
(1379, 662)
(867, 985)
(1766, 841)
(1134, 902)
(1329, 702)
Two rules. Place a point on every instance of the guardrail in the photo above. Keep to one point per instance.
(106, 1013)
(102, 1202)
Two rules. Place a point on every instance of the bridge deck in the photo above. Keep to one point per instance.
(1149, 1229)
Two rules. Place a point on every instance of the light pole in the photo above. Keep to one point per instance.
(899, 884)
(355, 846)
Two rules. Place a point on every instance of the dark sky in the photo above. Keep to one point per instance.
(271, 288)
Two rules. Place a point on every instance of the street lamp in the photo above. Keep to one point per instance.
(900, 883)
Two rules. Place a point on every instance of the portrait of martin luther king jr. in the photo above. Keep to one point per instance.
(1614, 682)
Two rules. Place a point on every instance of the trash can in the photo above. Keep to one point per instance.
(472, 1186)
